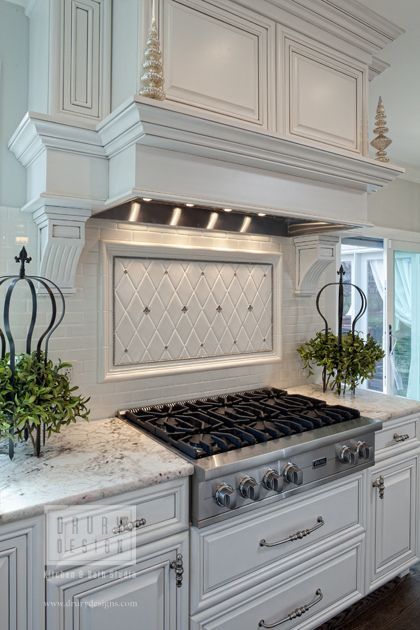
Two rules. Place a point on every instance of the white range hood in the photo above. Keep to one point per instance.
(80, 162)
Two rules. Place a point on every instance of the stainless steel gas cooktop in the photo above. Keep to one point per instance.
(256, 447)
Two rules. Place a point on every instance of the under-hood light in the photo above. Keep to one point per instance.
(197, 217)
(147, 199)
(134, 212)
(176, 215)
(245, 224)
(212, 221)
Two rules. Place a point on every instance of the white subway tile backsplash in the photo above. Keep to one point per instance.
(76, 339)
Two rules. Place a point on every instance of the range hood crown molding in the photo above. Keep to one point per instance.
(180, 128)
(120, 160)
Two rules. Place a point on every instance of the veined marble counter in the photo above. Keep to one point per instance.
(86, 462)
(370, 404)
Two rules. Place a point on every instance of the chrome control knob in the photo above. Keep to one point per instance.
(364, 450)
(293, 474)
(348, 455)
(248, 488)
(225, 496)
(273, 481)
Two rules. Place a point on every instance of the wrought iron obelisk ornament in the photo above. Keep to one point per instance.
(6, 335)
(152, 71)
(381, 141)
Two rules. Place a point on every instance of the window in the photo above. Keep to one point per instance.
(363, 263)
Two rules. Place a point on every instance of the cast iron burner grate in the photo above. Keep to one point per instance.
(200, 428)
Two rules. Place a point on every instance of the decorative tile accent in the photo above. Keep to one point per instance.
(172, 310)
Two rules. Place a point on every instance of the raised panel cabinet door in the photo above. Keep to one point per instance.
(14, 607)
(142, 596)
(393, 518)
(217, 60)
(85, 59)
(324, 98)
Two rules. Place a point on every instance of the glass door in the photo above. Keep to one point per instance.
(403, 319)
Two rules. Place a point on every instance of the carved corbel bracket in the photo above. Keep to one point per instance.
(313, 255)
(61, 238)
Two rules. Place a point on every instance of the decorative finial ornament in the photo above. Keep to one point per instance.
(152, 77)
(381, 141)
(22, 259)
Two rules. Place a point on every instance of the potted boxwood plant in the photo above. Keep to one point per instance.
(346, 362)
(38, 397)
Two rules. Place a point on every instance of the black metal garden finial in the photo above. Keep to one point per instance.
(341, 284)
(23, 258)
(7, 336)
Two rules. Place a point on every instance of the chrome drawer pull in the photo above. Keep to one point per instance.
(127, 526)
(380, 484)
(297, 612)
(401, 438)
(297, 536)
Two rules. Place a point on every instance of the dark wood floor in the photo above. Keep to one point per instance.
(395, 606)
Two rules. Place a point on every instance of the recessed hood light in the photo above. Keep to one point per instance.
(147, 199)
(197, 217)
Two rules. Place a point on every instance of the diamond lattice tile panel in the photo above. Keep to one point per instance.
(172, 310)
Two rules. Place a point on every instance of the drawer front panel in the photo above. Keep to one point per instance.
(228, 553)
(397, 435)
(337, 580)
(117, 525)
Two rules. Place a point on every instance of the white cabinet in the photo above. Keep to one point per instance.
(151, 593)
(392, 525)
(218, 60)
(322, 97)
(229, 555)
(21, 576)
(324, 587)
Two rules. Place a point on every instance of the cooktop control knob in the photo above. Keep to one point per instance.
(293, 474)
(348, 455)
(225, 496)
(248, 488)
(273, 481)
(364, 450)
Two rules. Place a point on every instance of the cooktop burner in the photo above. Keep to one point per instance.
(210, 426)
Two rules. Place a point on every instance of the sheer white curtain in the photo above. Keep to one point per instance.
(407, 311)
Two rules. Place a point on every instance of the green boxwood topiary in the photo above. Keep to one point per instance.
(346, 367)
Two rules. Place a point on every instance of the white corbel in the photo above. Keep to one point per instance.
(61, 238)
(313, 255)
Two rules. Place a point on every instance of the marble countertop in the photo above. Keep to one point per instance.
(86, 462)
(370, 404)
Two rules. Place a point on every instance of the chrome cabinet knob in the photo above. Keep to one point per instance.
(348, 455)
(225, 496)
(364, 450)
(248, 488)
(293, 474)
(273, 481)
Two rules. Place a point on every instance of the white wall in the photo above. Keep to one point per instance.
(14, 39)
(397, 206)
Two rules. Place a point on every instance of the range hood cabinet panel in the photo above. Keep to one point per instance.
(178, 177)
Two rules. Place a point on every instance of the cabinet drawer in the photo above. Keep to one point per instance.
(116, 525)
(229, 554)
(331, 584)
(402, 433)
